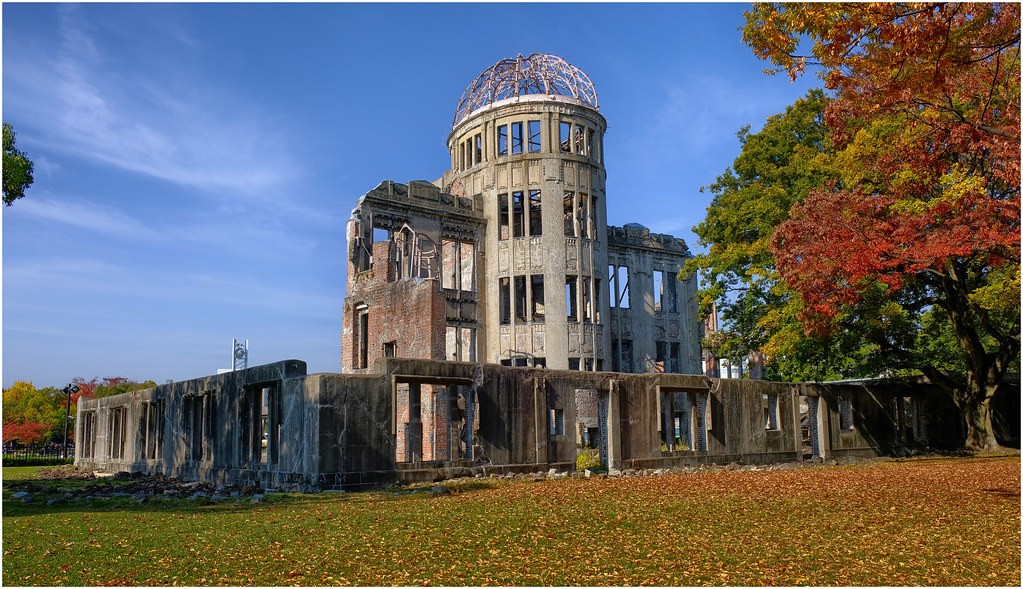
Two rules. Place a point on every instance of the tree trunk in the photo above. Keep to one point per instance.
(976, 408)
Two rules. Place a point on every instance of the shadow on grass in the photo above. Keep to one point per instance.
(90, 496)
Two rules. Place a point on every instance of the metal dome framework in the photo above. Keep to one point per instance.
(538, 74)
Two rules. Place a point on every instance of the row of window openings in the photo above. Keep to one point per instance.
(261, 428)
(667, 359)
(665, 292)
(527, 292)
(703, 411)
(516, 219)
(524, 137)
(415, 256)
(538, 362)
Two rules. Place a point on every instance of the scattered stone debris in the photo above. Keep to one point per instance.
(135, 486)
(142, 488)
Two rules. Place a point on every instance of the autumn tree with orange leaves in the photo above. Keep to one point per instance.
(925, 121)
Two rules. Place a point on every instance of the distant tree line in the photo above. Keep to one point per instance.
(35, 416)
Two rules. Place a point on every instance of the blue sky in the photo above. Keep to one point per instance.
(195, 164)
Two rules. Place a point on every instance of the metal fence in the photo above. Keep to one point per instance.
(38, 452)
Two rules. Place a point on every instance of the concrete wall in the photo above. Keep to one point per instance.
(334, 431)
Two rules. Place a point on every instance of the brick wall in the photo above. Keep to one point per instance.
(409, 313)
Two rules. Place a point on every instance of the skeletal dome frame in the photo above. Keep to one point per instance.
(537, 74)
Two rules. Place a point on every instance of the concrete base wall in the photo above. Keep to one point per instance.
(276, 427)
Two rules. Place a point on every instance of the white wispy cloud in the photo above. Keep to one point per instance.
(87, 216)
(162, 121)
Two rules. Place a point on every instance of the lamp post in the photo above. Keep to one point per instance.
(71, 388)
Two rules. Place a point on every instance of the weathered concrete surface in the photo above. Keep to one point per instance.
(334, 431)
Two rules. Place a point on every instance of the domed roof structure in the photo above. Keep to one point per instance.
(538, 74)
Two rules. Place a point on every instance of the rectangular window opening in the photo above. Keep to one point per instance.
(579, 141)
(389, 349)
(661, 356)
(618, 284)
(505, 300)
(770, 405)
(362, 337)
(556, 422)
(534, 136)
(518, 214)
(88, 434)
(478, 148)
(565, 138)
(516, 146)
(571, 296)
(504, 216)
(502, 140)
(535, 217)
(658, 291)
(570, 214)
(583, 215)
(537, 303)
(845, 413)
(587, 303)
(520, 298)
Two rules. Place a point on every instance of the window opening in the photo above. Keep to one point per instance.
(564, 137)
(537, 292)
(520, 298)
(583, 215)
(662, 355)
(516, 130)
(579, 139)
(618, 283)
(845, 413)
(478, 148)
(503, 214)
(586, 302)
(658, 291)
(154, 430)
(590, 141)
(518, 212)
(770, 405)
(674, 359)
(362, 336)
(671, 291)
(556, 422)
(505, 296)
(534, 136)
(573, 363)
(117, 433)
(535, 218)
(521, 362)
(389, 348)
(88, 434)
(593, 217)
(571, 298)
(539, 362)
(502, 140)
(570, 214)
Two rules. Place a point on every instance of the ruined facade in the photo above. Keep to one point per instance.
(508, 258)
(277, 427)
(495, 323)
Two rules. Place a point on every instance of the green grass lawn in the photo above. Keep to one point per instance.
(947, 521)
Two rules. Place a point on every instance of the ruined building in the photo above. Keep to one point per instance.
(495, 323)
(508, 258)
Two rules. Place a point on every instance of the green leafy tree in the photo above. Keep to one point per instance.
(925, 223)
(17, 169)
(777, 166)
(32, 415)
